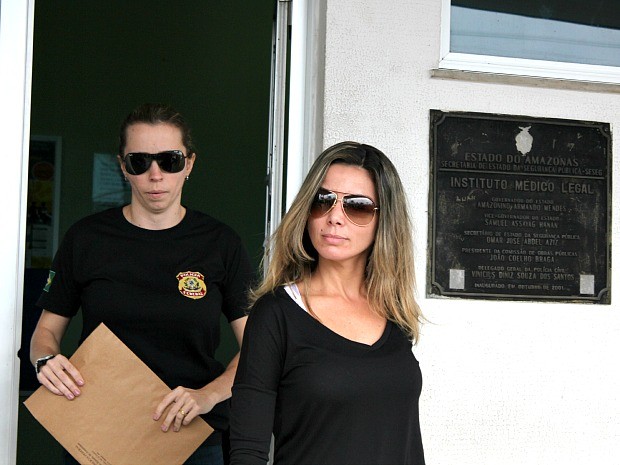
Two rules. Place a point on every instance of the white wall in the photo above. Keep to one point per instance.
(504, 382)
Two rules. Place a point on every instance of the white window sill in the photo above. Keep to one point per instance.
(482, 68)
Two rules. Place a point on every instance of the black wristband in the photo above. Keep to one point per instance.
(40, 363)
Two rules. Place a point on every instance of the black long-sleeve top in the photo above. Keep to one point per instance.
(327, 399)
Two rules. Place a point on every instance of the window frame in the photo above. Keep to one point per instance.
(518, 66)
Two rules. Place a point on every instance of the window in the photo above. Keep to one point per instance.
(566, 39)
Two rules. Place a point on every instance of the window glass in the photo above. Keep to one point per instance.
(570, 31)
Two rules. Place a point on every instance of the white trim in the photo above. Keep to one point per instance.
(297, 115)
(518, 66)
(306, 91)
(277, 111)
(16, 34)
(531, 68)
(444, 47)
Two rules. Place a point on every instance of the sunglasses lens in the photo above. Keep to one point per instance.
(171, 161)
(322, 203)
(360, 210)
(137, 163)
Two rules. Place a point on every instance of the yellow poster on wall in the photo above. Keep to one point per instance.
(43, 193)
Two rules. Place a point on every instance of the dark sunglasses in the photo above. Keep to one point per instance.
(359, 210)
(170, 161)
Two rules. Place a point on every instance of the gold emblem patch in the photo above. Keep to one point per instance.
(192, 284)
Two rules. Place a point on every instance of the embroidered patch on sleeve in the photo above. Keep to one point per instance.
(192, 284)
(50, 278)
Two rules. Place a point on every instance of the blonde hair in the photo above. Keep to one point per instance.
(390, 275)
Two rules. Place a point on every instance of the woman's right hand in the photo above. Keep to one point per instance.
(58, 374)
(61, 377)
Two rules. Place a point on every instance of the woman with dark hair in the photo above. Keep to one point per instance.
(158, 275)
(326, 362)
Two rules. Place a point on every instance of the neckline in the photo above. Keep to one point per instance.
(145, 232)
(339, 337)
(128, 215)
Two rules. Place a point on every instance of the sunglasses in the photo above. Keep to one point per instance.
(170, 161)
(358, 209)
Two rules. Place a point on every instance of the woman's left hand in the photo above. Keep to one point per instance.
(185, 405)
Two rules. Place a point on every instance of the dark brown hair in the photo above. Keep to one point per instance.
(156, 113)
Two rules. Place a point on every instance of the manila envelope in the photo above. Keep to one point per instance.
(111, 422)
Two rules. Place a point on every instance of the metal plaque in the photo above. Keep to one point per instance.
(520, 208)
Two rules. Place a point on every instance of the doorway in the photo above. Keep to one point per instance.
(93, 62)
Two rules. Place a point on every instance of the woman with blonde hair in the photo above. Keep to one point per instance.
(326, 362)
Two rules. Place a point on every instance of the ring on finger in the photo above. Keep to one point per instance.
(182, 412)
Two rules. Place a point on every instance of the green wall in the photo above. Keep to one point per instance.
(94, 61)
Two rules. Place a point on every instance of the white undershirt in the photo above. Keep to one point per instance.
(293, 291)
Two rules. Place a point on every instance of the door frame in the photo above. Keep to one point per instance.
(16, 38)
(307, 21)
(301, 118)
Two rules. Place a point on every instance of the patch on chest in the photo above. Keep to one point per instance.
(192, 284)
